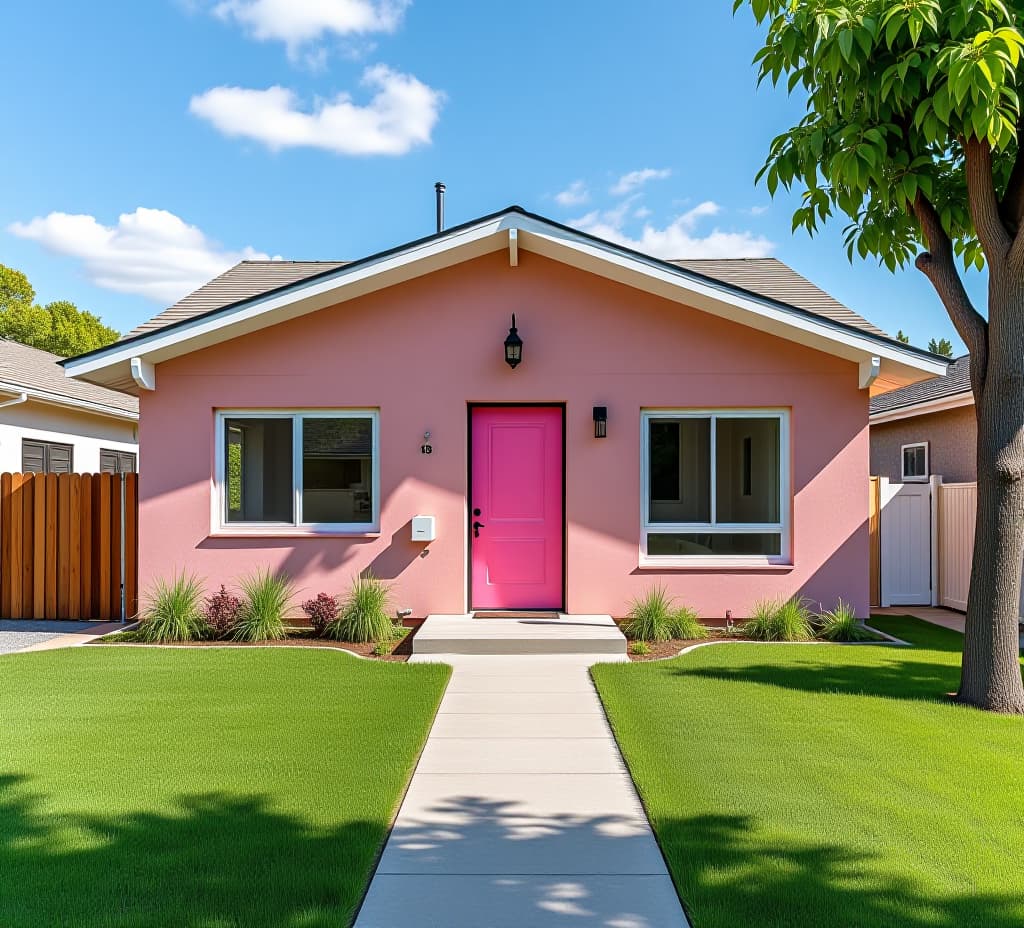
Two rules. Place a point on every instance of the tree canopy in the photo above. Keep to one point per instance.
(943, 346)
(59, 327)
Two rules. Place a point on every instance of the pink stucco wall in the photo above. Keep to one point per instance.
(422, 350)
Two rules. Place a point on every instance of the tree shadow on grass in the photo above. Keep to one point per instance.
(729, 875)
(903, 675)
(214, 860)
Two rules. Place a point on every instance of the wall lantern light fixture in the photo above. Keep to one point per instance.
(600, 422)
(513, 346)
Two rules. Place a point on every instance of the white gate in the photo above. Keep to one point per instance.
(906, 544)
(958, 503)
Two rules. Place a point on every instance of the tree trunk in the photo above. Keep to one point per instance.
(991, 674)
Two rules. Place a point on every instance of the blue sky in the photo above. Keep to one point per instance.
(316, 129)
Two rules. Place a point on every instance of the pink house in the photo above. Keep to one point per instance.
(702, 425)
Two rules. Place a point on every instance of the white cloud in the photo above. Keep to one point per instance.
(576, 194)
(150, 252)
(299, 22)
(680, 238)
(400, 115)
(636, 179)
(757, 210)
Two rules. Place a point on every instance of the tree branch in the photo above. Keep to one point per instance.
(981, 197)
(939, 266)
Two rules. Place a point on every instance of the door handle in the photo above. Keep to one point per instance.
(476, 528)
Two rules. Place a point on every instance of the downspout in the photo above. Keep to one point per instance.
(17, 401)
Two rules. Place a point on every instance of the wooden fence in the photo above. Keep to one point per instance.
(68, 546)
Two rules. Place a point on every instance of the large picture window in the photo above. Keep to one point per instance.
(715, 486)
(314, 470)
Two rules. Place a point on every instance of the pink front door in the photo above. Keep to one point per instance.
(516, 507)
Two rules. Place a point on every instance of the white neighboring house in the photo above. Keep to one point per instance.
(50, 423)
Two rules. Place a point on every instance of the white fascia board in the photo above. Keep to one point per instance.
(56, 399)
(348, 282)
(869, 371)
(942, 404)
(718, 299)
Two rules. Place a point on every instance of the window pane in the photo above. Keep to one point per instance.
(680, 465)
(914, 462)
(696, 544)
(337, 470)
(747, 471)
(258, 470)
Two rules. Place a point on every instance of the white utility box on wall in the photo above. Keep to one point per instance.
(423, 528)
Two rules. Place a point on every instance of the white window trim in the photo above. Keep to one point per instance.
(783, 527)
(917, 478)
(221, 526)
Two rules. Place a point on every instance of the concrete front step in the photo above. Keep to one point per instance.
(568, 634)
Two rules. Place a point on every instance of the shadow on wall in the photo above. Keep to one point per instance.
(730, 878)
(398, 555)
(214, 860)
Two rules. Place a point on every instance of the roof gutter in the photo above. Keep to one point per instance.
(942, 404)
(55, 399)
(17, 401)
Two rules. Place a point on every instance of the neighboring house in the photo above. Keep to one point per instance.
(927, 429)
(51, 424)
(699, 425)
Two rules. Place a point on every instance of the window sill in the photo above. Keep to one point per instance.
(716, 564)
(289, 533)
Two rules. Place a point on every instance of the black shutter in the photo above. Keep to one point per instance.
(108, 462)
(127, 462)
(33, 457)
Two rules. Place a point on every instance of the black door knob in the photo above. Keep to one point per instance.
(476, 529)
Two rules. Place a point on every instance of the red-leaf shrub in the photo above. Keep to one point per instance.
(222, 611)
(321, 611)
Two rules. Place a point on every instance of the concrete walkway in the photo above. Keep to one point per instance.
(521, 811)
(35, 635)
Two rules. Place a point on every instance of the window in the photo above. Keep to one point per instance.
(716, 486)
(310, 470)
(46, 457)
(915, 462)
(117, 462)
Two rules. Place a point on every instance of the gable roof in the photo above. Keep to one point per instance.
(765, 276)
(201, 319)
(922, 398)
(38, 373)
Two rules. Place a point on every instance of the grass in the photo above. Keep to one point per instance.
(200, 787)
(841, 624)
(174, 611)
(778, 620)
(363, 614)
(802, 786)
(266, 597)
(653, 616)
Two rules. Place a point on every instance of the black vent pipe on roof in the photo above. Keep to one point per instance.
(439, 193)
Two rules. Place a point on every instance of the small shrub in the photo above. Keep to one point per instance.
(265, 600)
(779, 620)
(842, 624)
(639, 647)
(173, 611)
(382, 648)
(321, 611)
(221, 612)
(685, 623)
(363, 615)
(650, 617)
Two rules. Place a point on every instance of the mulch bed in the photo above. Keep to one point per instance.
(299, 639)
(660, 650)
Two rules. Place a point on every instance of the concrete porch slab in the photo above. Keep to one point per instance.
(568, 634)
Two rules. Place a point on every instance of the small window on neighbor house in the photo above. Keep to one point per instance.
(915, 462)
(117, 462)
(46, 457)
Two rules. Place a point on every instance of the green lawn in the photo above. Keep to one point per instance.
(805, 786)
(200, 787)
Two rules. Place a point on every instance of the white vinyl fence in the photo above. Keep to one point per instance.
(958, 503)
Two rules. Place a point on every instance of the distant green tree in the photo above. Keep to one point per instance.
(900, 337)
(943, 346)
(60, 326)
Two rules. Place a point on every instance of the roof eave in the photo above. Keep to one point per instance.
(69, 402)
(899, 366)
(923, 408)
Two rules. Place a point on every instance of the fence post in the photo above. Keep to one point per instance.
(123, 559)
(935, 482)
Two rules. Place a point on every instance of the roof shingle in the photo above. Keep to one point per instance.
(957, 380)
(34, 369)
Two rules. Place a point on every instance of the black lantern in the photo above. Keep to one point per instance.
(513, 346)
(600, 422)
